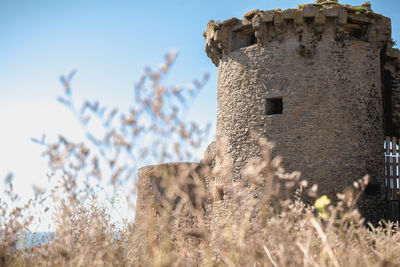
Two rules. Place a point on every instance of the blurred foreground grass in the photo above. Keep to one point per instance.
(266, 231)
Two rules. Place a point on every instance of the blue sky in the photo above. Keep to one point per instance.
(109, 43)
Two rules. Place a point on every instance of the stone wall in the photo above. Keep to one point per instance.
(322, 82)
(163, 211)
(263, 27)
(391, 83)
(312, 81)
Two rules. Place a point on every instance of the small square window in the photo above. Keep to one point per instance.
(274, 106)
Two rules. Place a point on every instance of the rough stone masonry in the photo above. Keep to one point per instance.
(321, 81)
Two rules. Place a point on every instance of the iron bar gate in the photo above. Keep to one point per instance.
(391, 147)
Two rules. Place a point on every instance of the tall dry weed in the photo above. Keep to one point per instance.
(193, 214)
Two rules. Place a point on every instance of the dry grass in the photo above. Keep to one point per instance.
(260, 222)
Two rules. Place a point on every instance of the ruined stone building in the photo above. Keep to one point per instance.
(321, 81)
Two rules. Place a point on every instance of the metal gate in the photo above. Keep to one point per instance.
(391, 148)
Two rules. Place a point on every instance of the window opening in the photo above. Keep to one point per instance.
(242, 38)
(274, 106)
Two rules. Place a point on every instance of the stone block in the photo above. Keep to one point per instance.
(268, 16)
(257, 22)
(278, 18)
(320, 18)
(289, 13)
(249, 15)
(332, 11)
(361, 18)
(372, 37)
(298, 17)
(246, 21)
(310, 11)
(239, 26)
(342, 17)
(230, 22)
(219, 36)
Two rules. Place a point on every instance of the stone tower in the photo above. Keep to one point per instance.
(321, 82)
